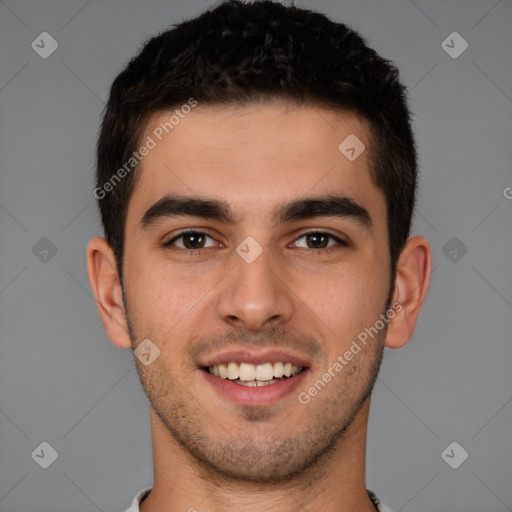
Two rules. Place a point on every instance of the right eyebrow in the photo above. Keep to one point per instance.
(171, 206)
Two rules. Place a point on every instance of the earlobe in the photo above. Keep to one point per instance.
(104, 281)
(413, 271)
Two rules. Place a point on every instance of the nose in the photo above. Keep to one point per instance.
(256, 295)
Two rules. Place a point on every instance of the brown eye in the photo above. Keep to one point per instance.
(190, 240)
(320, 240)
(317, 240)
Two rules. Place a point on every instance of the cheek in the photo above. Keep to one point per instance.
(347, 288)
(159, 297)
(344, 302)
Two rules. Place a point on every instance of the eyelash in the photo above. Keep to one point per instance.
(199, 252)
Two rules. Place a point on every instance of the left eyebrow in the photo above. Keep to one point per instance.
(299, 209)
(324, 206)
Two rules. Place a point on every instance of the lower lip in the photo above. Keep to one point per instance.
(255, 395)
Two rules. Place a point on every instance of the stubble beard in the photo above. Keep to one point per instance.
(277, 457)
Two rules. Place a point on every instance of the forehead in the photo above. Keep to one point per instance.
(255, 156)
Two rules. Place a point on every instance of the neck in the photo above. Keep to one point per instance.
(335, 483)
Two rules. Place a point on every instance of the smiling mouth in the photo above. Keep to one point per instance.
(251, 375)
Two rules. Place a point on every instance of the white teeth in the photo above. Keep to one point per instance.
(264, 371)
(256, 383)
(247, 371)
(278, 369)
(232, 371)
(253, 375)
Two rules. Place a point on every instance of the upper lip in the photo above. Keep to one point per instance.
(255, 357)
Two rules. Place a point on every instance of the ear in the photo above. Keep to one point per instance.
(413, 271)
(106, 287)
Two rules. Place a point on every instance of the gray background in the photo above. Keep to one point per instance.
(63, 382)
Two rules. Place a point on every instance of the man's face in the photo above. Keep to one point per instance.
(258, 289)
